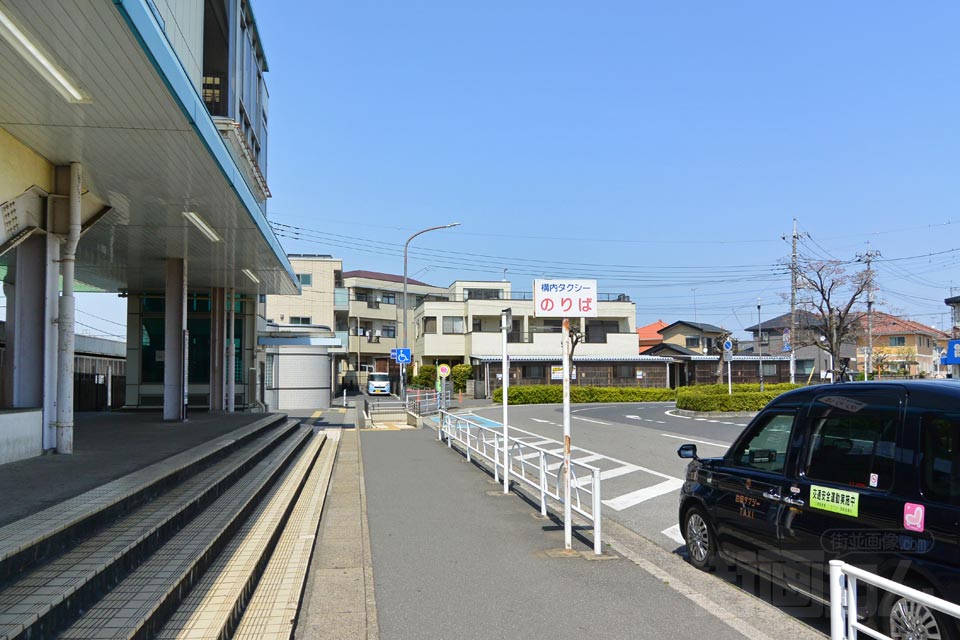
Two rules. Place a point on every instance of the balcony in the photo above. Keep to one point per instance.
(341, 299)
(372, 310)
(372, 344)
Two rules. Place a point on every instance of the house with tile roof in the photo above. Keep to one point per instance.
(903, 347)
(649, 335)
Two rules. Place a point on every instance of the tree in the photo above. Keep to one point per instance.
(833, 295)
(460, 374)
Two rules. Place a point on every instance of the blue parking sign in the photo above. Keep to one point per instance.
(953, 352)
(393, 354)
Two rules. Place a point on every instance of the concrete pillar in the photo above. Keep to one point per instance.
(175, 323)
(51, 341)
(231, 370)
(217, 348)
(25, 347)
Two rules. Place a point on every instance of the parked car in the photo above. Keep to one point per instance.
(378, 384)
(867, 472)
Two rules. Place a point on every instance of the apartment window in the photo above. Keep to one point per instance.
(452, 324)
(430, 324)
(306, 279)
(389, 297)
(898, 341)
(389, 331)
(764, 338)
(692, 342)
(769, 369)
(477, 325)
(804, 367)
(300, 320)
(338, 278)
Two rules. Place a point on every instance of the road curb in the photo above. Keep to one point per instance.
(714, 414)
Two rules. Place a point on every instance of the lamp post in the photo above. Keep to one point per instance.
(403, 369)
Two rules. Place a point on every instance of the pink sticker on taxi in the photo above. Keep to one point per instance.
(913, 516)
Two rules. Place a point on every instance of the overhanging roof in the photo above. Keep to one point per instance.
(499, 358)
(148, 146)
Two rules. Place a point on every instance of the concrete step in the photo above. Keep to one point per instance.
(272, 611)
(145, 598)
(51, 531)
(41, 600)
(215, 604)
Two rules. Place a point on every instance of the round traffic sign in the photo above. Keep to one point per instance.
(727, 345)
(443, 370)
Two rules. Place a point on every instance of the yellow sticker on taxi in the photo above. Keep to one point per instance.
(836, 500)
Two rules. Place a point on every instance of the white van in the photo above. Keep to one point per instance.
(378, 383)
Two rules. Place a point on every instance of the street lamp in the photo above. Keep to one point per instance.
(403, 369)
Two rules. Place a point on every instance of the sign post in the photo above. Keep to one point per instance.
(443, 371)
(566, 299)
(506, 321)
(728, 356)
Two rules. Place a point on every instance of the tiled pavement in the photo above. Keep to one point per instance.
(272, 611)
(44, 526)
(147, 595)
(75, 577)
(339, 599)
(212, 608)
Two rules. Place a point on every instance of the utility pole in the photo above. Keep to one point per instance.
(793, 302)
(760, 343)
(868, 259)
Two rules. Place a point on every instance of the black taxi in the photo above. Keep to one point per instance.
(868, 473)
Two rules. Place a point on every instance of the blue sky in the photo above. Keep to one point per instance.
(657, 147)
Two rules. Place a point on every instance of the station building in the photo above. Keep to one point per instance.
(133, 159)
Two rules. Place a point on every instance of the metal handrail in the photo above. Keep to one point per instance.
(843, 600)
(487, 443)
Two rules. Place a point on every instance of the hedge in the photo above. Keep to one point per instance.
(691, 399)
(721, 389)
(553, 394)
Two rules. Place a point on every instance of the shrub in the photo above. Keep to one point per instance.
(691, 399)
(427, 377)
(553, 394)
(721, 389)
(460, 374)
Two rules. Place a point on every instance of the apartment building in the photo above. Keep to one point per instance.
(464, 328)
(901, 347)
(371, 316)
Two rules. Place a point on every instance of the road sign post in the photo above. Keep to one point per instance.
(728, 356)
(444, 372)
(506, 320)
(566, 299)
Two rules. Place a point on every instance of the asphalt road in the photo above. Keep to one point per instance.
(634, 446)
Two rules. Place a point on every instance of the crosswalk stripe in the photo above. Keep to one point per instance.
(674, 534)
(642, 495)
(583, 460)
(609, 473)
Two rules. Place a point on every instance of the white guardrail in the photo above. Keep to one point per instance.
(426, 402)
(843, 600)
(534, 466)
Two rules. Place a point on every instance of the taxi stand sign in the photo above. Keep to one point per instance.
(564, 298)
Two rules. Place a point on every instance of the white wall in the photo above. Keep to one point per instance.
(20, 434)
(183, 24)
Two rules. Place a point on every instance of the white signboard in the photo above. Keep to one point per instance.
(565, 298)
(556, 373)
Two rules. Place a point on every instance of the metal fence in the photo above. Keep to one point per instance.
(386, 410)
(538, 468)
(425, 403)
(843, 600)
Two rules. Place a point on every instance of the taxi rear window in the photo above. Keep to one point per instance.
(853, 440)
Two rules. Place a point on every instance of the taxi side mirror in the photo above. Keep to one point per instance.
(688, 451)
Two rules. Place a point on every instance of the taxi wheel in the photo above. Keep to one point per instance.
(701, 547)
(903, 619)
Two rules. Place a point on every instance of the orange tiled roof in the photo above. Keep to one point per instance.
(649, 332)
(885, 324)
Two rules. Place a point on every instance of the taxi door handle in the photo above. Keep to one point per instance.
(797, 502)
(772, 495)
